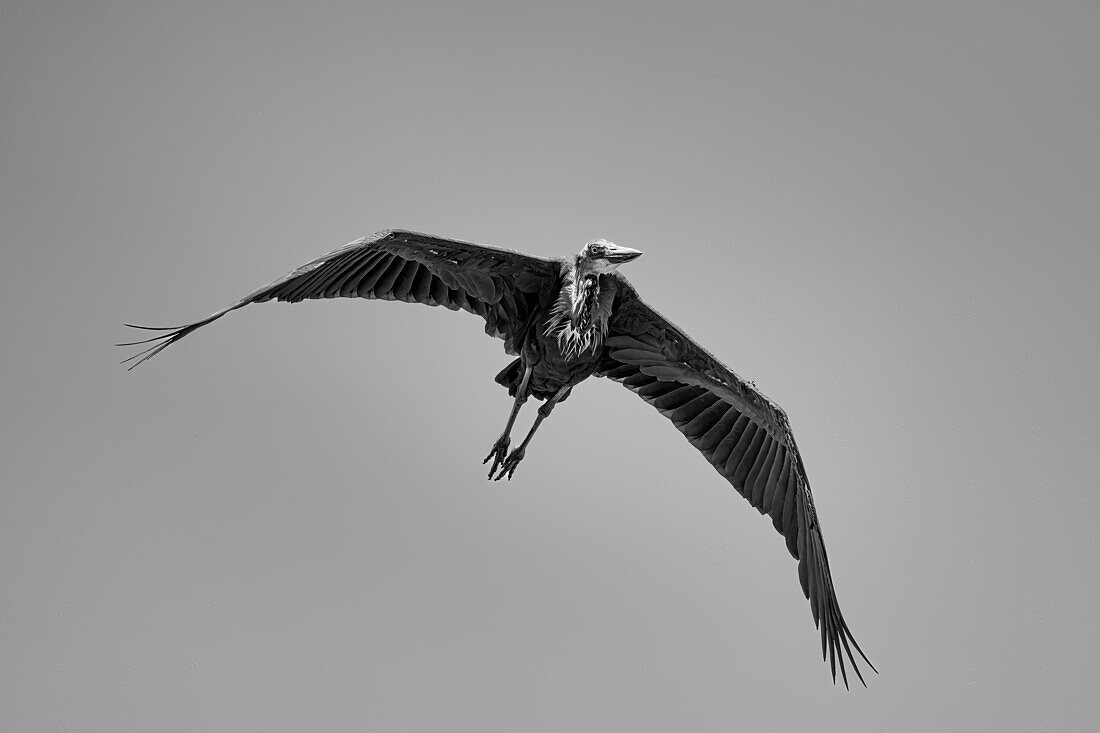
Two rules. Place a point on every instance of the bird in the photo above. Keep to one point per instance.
(568, 319)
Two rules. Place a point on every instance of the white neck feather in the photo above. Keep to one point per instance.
(577, 318)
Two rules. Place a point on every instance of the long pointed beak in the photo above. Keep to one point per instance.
(619, 255)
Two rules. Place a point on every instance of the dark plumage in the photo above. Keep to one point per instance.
(567, 320)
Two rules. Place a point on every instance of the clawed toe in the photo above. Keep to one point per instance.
(498, 453)
(508, 467)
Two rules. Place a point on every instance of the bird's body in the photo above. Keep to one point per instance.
(564, 344)
(566, 320)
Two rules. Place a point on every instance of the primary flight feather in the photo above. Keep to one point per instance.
(569, 319)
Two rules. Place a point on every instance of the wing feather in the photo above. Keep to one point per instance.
(760, 467)
(441, 294)
(721, 431)
(771, 480)
(378, 269)
(700, 424)
(743, 434)
(740, 458)
(502, 287)
(402, 284)
(346, 284)
(692, 408)
(742, 427)
(384, 286)
(779, 493)
(675, 397)
(420, 288)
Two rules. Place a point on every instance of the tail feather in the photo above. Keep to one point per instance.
(510, 377)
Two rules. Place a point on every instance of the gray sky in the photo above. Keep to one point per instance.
(883, 213)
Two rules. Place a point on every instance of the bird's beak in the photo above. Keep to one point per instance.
(618, 255)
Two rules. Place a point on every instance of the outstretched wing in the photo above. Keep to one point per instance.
(501, 286)
(744, 435)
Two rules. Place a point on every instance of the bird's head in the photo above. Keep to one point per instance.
(601, 256)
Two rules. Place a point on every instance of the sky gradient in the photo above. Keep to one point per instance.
(885, 214)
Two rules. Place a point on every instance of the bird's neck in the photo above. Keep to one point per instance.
(578, 319)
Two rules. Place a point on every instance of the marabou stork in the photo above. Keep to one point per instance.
(569, 319)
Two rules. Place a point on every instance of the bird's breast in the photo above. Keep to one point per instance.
(555, 362)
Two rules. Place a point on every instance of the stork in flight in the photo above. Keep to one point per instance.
(569, 319)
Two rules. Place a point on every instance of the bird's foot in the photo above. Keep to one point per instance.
(509, 466)
(499, 451)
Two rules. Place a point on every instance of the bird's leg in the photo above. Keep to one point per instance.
(500, 448)
(509, 466)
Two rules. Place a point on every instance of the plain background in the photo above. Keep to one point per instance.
(885, 214)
